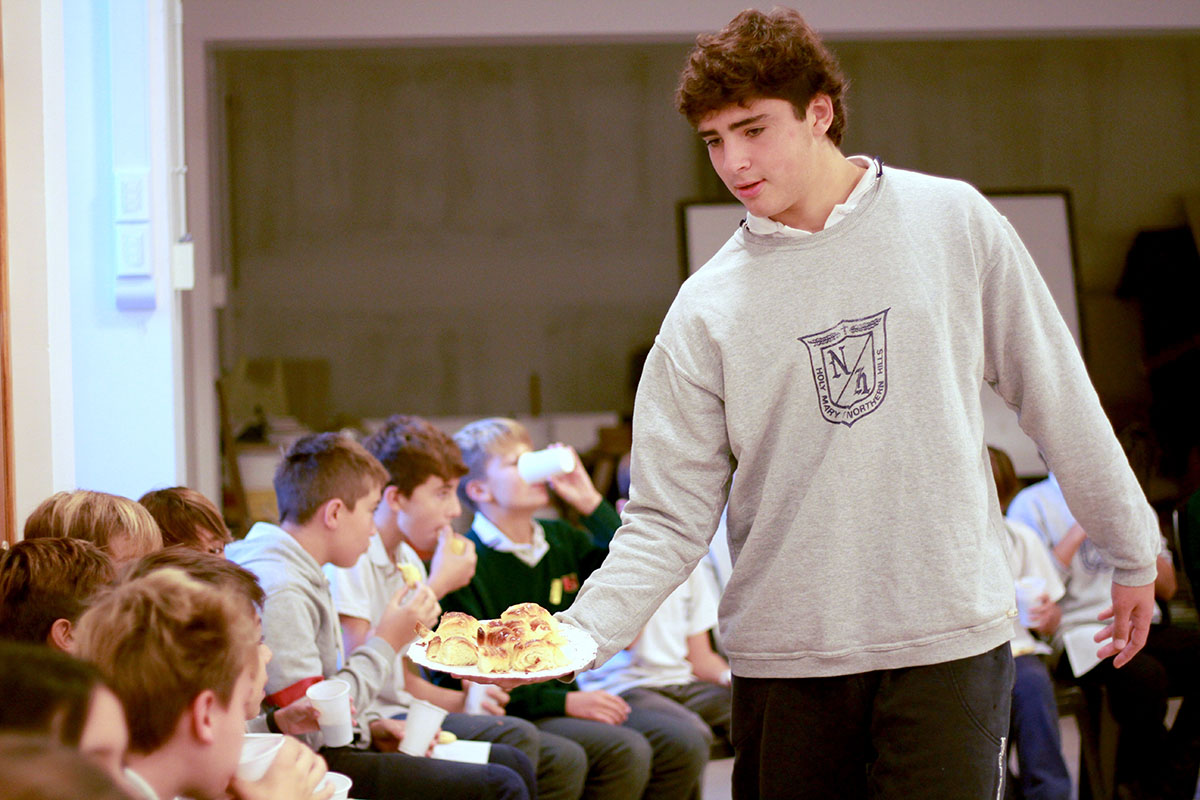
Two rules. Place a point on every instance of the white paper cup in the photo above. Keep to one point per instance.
(341, 785)
(332, 700)
(540, 465)
(476, 694)
(422, 723)
(1029, 589)
(258, 752)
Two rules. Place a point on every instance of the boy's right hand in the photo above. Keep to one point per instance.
(600, 706)
(407, 607)
(451, 569)
(295, 773)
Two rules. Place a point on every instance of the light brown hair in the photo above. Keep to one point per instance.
(760, 55)
(43, 580)
(205, 567)
(1005, 476)
(160, 641)
(182, 513)
(412, 449)
(320, 467)
(96, 517)
(484, 439)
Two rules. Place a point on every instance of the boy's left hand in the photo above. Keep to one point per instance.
(576, 487)
(1130, 616)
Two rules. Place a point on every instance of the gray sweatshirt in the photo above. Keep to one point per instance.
(839, 374)
(300, 625)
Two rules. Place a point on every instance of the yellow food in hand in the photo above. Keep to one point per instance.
(446, 737)
(458, 546)
(411, 575)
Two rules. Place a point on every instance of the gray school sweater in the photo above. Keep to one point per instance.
(839, 374)
(300, 625)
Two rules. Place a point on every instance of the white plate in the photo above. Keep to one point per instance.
(580, 649)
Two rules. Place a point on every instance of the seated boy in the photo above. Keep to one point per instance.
(1151, 761)
(521, 559)
(45, 584)
(1033, 718)
(51, 694)
(671, 667)
(182, 658)
(188, 518)
(115, 524)
(297, 718)
(328, 488)
(419, 503)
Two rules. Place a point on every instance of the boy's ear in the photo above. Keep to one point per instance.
(393, 497)
(202, 717)
(820, 113)
(478, 492)
(61, 635)
(331, 511)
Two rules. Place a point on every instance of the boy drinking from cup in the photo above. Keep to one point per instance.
(413, 522)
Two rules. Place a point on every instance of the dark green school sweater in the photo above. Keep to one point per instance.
(502, 580)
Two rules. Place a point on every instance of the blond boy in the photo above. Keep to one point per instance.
(115, 524)
(523, 559)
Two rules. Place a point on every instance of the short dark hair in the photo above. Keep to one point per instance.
(205, 567)
(774, 55)
(35, 768)
(45, 691)
(43, 580)
(320, 467)
(412, 449)
(180, 512)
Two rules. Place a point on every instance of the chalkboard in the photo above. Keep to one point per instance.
(1043, 220)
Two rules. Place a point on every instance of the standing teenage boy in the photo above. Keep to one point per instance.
(182, 658)
(522, 559)
(413, 522)
(327, 488)
(833, 352)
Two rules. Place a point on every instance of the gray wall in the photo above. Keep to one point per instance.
(439, 223)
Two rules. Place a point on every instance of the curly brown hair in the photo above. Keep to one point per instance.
(760, 55)
(412, 449)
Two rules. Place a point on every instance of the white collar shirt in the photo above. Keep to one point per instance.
(764, 226)
(494, 538)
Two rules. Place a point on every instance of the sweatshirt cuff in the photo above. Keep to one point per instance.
(1136, 577)
(381, 646)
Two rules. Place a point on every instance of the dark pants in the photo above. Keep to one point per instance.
(655, 756)
(706, 706)
(561, 764)
(385, 776)
(1158, 761)
(935, 732)
(1034, 732)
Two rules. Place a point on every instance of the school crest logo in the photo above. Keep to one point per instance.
(849, 364)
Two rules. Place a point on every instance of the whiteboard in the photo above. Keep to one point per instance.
(1043, 221)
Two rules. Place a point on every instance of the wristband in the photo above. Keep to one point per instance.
(272, 725)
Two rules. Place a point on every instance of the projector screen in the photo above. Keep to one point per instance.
(1043, 220)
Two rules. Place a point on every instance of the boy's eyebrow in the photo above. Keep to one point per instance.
(741, 123)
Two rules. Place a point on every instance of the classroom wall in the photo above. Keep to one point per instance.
(437, 223)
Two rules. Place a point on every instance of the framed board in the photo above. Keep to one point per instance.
(1041, 217)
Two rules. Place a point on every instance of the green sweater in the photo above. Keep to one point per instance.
(502, 580)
